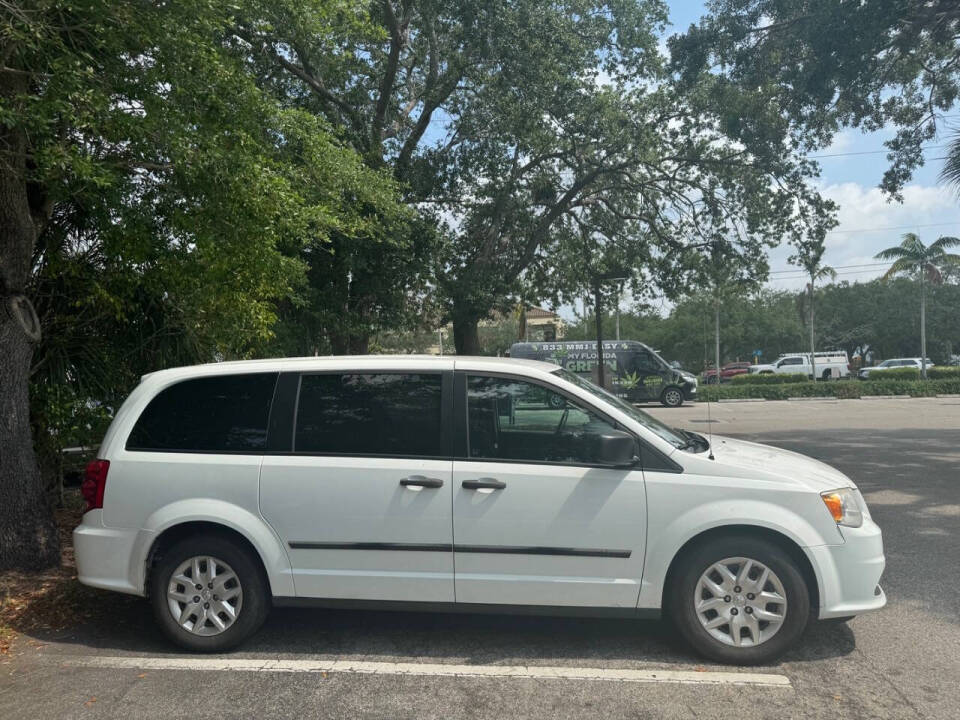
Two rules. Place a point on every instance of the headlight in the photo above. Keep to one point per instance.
(843, 506)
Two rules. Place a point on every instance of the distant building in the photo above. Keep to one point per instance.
(541, 326)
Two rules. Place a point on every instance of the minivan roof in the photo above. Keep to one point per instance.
(355, 362)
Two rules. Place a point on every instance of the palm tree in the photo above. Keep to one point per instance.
(816, 272)
(912, 257)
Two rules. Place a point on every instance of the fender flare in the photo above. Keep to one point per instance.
(718, 514)
(273, 555)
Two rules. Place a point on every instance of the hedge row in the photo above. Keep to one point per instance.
(769, 379)
(909, 373)
(844, 390)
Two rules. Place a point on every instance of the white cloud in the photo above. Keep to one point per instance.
(869, 223)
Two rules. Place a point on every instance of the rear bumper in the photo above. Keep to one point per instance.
(849, 574)
(106, 557)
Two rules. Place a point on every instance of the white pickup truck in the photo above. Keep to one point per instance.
(829, 365)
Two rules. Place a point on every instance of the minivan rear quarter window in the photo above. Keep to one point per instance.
(390, 414)
(225, 413)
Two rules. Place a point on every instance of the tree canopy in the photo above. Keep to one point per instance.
(828, 65)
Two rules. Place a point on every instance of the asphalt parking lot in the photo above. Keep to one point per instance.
(902, 662)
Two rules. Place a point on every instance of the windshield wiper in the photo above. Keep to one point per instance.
(694, 440)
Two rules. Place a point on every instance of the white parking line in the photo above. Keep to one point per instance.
(536, 672)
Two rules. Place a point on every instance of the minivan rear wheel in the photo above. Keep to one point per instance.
(739, 600)
(208, 594)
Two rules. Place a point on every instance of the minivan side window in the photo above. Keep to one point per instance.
(511, 419)
(223, 413)
(389, 414)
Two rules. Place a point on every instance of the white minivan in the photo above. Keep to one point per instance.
(460, 484)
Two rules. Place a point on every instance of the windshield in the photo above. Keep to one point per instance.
(648, 421)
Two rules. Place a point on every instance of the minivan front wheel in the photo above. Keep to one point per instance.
(208, 594)
(740, 600)
(672, 396)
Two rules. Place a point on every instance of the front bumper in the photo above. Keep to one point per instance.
(849, 574)
(690, 391)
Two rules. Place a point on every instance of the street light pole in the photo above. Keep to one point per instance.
(597, 309)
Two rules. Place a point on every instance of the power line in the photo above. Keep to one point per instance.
(873, 152)
(894, 227)
(836, 267)
(804, 276)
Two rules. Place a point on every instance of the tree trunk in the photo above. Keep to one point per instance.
(923, 327)
(28, 534)
(466, 338)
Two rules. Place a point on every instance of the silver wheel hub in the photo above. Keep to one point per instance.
(740, 602)
(204, 595)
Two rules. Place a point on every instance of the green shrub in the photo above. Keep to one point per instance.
(897, 373)
(943, 373)
(769, 379)
(839, 389)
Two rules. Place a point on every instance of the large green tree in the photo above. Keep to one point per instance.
(515, 124)
(153, 200)
(869, 64)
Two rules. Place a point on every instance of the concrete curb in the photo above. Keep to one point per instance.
(886, 397)
(948, 395)
(742, 400)
(821, 398)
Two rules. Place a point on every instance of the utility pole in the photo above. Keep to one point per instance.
(597, 309)
(716, 336)
(813, 351)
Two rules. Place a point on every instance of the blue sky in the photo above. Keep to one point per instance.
(868, 221)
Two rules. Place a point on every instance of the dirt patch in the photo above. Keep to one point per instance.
(48, 601)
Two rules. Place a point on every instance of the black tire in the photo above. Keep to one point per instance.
(255, 592)
(684, 587)
(672, 396)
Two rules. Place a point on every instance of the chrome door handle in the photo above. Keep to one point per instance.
(491, 483)
(421, 481)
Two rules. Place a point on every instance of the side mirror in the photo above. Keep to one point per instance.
(615, 448)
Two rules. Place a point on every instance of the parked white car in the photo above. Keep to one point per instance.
(916, 362)
(444, 484)
(829, 365)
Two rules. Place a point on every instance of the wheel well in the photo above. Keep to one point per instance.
(172, 535)
(778, 539)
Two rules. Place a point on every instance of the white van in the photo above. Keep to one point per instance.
(470, 484)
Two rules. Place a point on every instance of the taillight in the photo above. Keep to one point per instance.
(94, 483)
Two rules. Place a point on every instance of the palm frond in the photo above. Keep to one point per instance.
(825, 272)
(903, 265)
(944, 242)
(893, 253)
(951, 168)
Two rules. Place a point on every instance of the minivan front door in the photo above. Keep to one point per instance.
(363, 501)
(536, 520)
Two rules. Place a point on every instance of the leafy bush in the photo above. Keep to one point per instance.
(843, 390)
(943, 373)
(897, 373)
(769, 379)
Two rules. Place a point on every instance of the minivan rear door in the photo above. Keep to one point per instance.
(361, 497)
